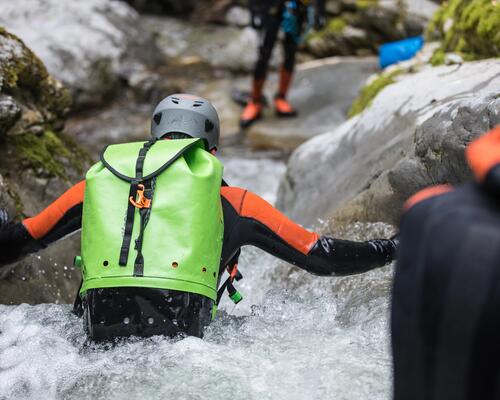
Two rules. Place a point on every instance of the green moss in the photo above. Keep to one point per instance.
(18, 203)
(22, 70)
(370, 91)
(364, 4)
(49, 153)
(472, 28)
(438, 57)
(333, 27)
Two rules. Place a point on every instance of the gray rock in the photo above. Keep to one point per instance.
(10, 112)
(238, 16)
(412, 136)
(37, 164)
(453, 58)
(83, 43)
(322, 92)
(424, 9)
(220, 48)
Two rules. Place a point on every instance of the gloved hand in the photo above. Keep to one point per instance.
(319, 22)
(4, 217)
(257, 20)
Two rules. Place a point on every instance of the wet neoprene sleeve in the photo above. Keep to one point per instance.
(16, 242)
(248, 220)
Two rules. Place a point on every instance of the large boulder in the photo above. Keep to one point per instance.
(92, 46)
(223, 48)
(413, 135)
(37, 163)
(322, 92)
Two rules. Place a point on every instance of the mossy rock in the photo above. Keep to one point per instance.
(469, 28)
(49, 154)
(371, 90)
(32, 144)
(24, 77)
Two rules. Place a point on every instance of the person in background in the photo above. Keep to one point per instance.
(446, 295)
(269, 16)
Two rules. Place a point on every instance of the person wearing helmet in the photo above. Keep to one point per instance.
(269, 17)
(160, 227)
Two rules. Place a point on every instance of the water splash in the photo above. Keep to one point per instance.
(295, 336)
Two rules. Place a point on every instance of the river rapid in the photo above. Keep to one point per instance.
(294, 336)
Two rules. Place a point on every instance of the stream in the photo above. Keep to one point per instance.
(294, 336)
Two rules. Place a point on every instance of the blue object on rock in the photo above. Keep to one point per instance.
(391, 53)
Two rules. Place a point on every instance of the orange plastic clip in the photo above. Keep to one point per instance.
(142, 201)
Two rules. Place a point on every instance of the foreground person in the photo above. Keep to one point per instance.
(269, 16)
(446, 298)
(158, 231)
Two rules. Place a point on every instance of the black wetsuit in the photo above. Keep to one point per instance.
(248, 220)
(446, 298)
(271, 14)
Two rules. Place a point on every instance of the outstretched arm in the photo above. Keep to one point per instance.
(251, 220)
(58, 220)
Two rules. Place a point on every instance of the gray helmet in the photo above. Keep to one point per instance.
(188, 114)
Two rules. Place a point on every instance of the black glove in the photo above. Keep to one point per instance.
(319, 22)
(4, 217)
(330, 256)
(15, 241)
(257, 20)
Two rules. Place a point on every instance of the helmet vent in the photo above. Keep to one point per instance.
(175, 100)
(208, 125)
(198, 103)
(157, 118)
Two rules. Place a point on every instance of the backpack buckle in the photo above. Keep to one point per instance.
(142, 201)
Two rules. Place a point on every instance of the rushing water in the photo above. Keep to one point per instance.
(295, 336)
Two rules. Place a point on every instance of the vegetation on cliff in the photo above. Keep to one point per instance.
(469, 28)
(371, 90)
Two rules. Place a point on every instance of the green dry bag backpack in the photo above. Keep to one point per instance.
(152, 217)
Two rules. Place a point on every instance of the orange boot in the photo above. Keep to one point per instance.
(282, 106)
(251, 113)
(253, 110)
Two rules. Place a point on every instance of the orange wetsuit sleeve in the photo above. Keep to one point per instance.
(427, 193)
(41, 224)
(249, 205)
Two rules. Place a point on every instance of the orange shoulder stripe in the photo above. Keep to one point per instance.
(39, 225)
(484, 153)
(249, 205)
(427, 193)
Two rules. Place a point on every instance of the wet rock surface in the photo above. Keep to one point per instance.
(412, 136)
(88, 45)
(359, 27)
(323, 92)
(37, 163)
(227, 48)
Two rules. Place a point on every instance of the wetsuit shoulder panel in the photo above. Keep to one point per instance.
(484, 153)
(249, 205)
(427, 193)
(41, 224)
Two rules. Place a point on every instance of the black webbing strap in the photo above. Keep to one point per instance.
(228, 283)
(144, 213)
(129, 222)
